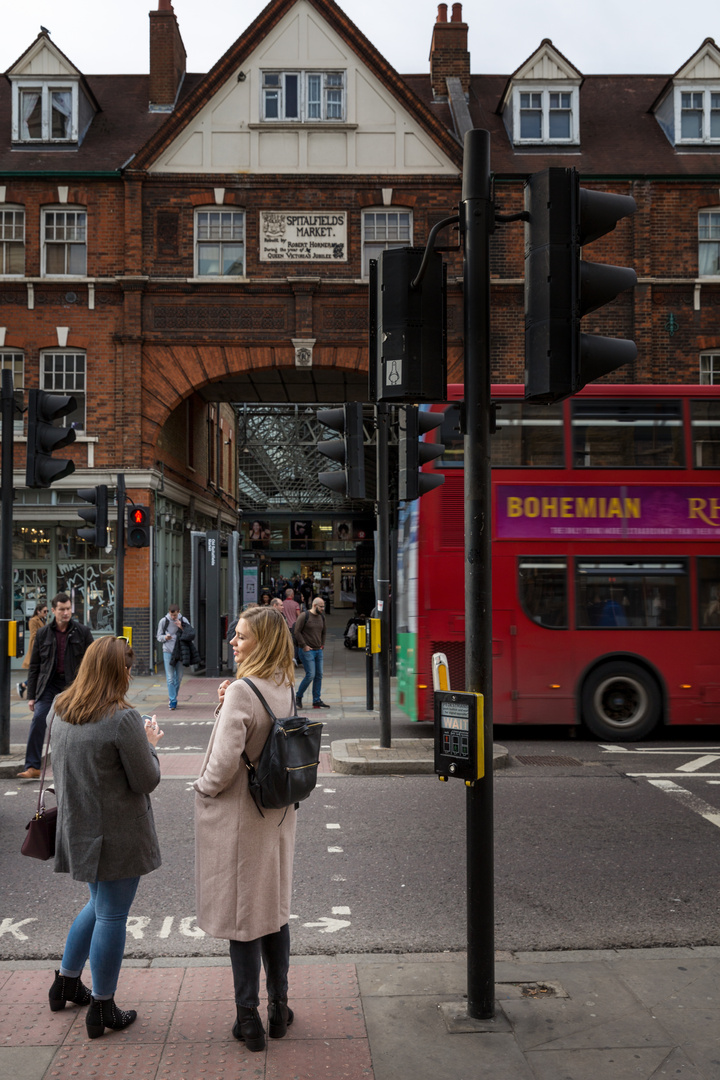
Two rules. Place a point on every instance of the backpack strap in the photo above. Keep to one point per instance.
(263, 702)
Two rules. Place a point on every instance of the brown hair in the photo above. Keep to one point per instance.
(273, 653)
(101, 684)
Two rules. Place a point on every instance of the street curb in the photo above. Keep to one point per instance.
(14, 762)
(405, 757)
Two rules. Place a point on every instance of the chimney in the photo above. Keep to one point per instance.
(449, 56)
(167, 58)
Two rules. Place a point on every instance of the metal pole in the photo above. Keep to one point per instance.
(120, 555)
(369, 682)
(477, 218)
(383, 570)
(6, 591)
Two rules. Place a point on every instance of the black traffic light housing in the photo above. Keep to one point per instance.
(408, 328)
(138, 526)
(97, 515)
(560, 287)
(413, 452)
(43, 438)
(349, 451)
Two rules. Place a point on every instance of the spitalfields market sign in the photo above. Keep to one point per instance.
(552, 511)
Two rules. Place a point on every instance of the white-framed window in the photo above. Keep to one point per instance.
(710, 369)
(12, 240)
(45, 112)
(64, 242)
(15, 362)
(709, 243)
(63, 372)
(383, 229)
(219, 243)
(546, 115)
(698, 114)
(303, 95)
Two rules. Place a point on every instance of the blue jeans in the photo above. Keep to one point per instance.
(36, 738)
(313, 664)
(173, 674)
(99, 933)
(245, 956)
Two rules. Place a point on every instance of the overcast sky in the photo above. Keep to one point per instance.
(598, 36)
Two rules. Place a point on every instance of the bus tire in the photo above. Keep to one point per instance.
(620, 700)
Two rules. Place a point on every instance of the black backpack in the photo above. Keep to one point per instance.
(286, 771)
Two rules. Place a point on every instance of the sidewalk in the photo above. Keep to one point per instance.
(632, 1015)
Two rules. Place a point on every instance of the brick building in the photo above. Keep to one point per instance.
(174, 244)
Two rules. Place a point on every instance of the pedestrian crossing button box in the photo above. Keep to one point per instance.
(459, 742)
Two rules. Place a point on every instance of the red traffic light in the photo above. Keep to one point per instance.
(138, 515)
(138, 533)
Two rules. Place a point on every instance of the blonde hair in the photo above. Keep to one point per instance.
(273, 654)
(101, 683)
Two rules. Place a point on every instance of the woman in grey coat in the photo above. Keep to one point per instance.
(104, 768)
(244, 859)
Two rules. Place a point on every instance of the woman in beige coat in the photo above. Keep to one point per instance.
(244, 858)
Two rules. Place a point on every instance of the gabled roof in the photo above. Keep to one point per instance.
(545, 63)
(704, 64)
(39, 59)
(254, 36)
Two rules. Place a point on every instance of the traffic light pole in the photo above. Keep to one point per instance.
(477, 223)
(383, 569)
(120, 555)
(6, 590)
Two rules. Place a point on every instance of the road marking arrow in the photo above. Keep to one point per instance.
(327, 925)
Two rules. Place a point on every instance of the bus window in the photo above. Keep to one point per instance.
(627, 434)
(527, 436)
(709, 593)
(631, 593)
(542, 586)
(705, 421)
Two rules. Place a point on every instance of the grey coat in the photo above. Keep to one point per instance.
(243, 862)
(103, 773)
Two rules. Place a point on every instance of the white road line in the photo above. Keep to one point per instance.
(698, 763)
(698, 806)
(340, 911)
(650, 775)
(337, 826)
(335, 850)
(610, 749)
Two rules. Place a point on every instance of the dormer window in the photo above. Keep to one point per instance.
(303, 95)
(545, 115)
(45, 114)
(699, 115)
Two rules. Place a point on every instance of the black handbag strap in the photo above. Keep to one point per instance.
(264, 703)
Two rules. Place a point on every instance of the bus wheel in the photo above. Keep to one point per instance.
(620, 701)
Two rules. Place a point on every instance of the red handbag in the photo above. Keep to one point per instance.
(40, 840)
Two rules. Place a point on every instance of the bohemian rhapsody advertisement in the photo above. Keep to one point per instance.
(549, 511)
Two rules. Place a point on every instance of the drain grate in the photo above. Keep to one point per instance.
(547, 759)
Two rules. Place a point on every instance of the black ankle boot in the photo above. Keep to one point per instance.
(66, 989)
(248, 1028)
(105, 1014)
(280, 1017)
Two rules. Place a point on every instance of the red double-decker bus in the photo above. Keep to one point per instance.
(606, 563)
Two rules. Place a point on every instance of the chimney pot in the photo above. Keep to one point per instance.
(165, 5)
(457, 13)
(449, 56)
(442, 13)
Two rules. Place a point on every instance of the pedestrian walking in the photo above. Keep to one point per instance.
(37, 619)
(244, 857)
(57, 652)
(168, 629)
(104, 768)
(291, 611)
(310, 637)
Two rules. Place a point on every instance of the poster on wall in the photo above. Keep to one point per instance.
(300, 533)
(259, 534)
(343, 530)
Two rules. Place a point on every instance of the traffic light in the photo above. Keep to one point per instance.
(349, 451)
(97, 515)
(560, 287)
(408, 328)
(43, 438)
(138, 526)
(413, 452)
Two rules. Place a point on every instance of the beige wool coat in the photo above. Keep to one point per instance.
(243, 862)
